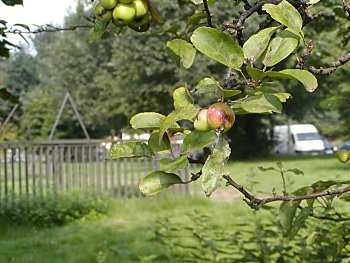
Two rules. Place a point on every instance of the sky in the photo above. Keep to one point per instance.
(37, 12)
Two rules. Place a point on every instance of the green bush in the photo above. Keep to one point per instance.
(259, 239)
(54, 210)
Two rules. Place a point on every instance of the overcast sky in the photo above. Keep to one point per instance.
(38, 12)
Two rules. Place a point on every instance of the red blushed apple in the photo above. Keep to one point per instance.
(220, 116)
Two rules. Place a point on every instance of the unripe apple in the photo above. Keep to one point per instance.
(123, 14)
(343, 156)
(220, 116)
(141, 7)
(102, 14)
(140, 21)
(125, 1)
(201, 121)
(108, 4)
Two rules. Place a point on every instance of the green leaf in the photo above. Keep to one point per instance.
(157, 181)
(305, 77)
(280, 47)
(308, 79)
(99, 29)
(295, 171)
(255, 74)
(299, 221)
(197, 140)
(184, 113)
(264, 103)
(218, 46)
(130, 150)
(285, 14)
(6, 95)
(172, 29)
(256, 45)
(147, 120)
(214, 167)
(12, 2)
(162, 147)
(288, 210)
(173, 166)
(211, 85)
(150, 121)
(182, 52)
(265, 169)
(196, 17)
(181, 98)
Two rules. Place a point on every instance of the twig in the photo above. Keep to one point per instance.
(326, 71)
(47, 28)
(256, 203)
(206, 8)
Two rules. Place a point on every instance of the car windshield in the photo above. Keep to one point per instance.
(309, 136)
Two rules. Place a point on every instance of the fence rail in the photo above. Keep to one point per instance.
(33, 170)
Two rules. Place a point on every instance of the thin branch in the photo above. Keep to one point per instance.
(326, 71)
(256, 203)
(206, 8)
(47, 28)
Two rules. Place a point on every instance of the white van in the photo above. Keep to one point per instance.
(297, 139)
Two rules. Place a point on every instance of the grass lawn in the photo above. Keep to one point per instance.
(127, 232)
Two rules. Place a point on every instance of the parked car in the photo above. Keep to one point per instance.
(328, 147)
(297, 139)
(344, 146)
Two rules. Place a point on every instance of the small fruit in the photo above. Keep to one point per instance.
(220, 116)
(343, 156)
(123, 14)
(108, 4)
(102, 14)
(201, 121)
(140, 7)
(125, 1)
(140, 21)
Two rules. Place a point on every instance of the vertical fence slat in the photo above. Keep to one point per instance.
(104, 171)
(26, 173)
(5, 175)
(89, 172)
(13, 174)
(139, 175)
(132, 177)
(76, 166)
(119, 179)
(111, 167)
(41, 172)
(33, 172)
(83, 168)
(69, 169)
(62, 169)
(47, 166)
(125, 163)
(97, 170)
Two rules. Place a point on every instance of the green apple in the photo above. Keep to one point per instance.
(220, 116)
(108, 4)
(123, 14)
(125, 1)
(141, 7)
(142, 28)
(102, 14)
(201, 121)
(343, 156)
(140, 21)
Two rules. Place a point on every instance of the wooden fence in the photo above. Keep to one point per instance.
(33, 170)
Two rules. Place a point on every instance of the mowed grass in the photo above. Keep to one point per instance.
(127, 232)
